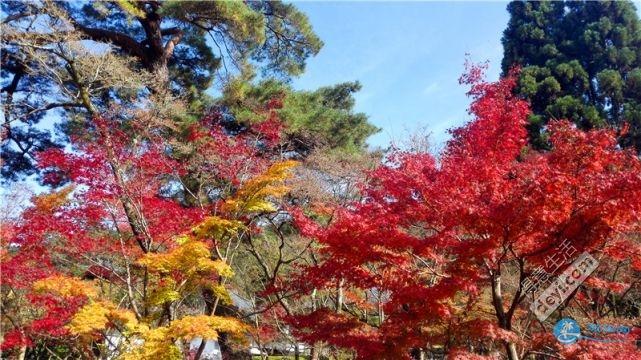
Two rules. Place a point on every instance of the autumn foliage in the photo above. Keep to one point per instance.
(117, 262)
(138, 251)
(434, 255)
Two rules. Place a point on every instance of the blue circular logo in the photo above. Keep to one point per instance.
(567, 331)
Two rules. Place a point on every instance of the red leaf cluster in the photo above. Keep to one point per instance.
(432, 229)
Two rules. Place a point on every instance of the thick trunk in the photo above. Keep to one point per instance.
(505, 321)
(152, 53)
(339, 296)
(512, 354)
(22, 353)
(157, 53)
(314, 352)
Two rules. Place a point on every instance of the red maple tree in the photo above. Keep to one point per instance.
(126, 229)
(436, 255)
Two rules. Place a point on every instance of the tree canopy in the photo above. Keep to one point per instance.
(434, 256)
(89, 57)
(321, 118)
(581, 61)
(168, 217)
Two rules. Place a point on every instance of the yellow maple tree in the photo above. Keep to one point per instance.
(65, 286)
(174, 274)
(254, 195)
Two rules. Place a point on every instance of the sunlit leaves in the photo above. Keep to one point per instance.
(160, 342)
(99, 316)
(131, 8)
(255, 194)
(190, 258)
(183, 269)
(154, 344)
(206, 327)
(214, 227)
(49, 202)
(65, 286)
(414, 261)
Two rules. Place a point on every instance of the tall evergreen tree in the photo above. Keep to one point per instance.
(580, 61)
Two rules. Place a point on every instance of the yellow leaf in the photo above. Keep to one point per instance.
(214, 227)
(98, 316)
(254, 195)
(52, 201)
(155, 344)
(189, 258)
(65, 286)
(89, 319)
(206, 327)
(191, 327)
(193, 264)
(130, 7)
(165, 293)
(159, 343)
(220, 291)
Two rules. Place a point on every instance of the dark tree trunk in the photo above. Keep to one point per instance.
(226, 350)
(228, 353)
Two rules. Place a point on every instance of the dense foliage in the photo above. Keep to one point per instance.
(112, 265)
(66, 61)
(168, 219)
(434, 257)
(581, 61)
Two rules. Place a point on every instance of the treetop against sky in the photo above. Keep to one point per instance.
(211, 180)
(409, 61)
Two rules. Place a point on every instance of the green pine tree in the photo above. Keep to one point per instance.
(133, 53)
(580, 61)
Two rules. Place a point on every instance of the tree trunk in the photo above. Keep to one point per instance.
(505, 322)
(22, 353)
(157, 54)
(512, 354)
(339, 296)
(314, 353)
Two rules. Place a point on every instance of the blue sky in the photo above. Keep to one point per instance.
(408, 57)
